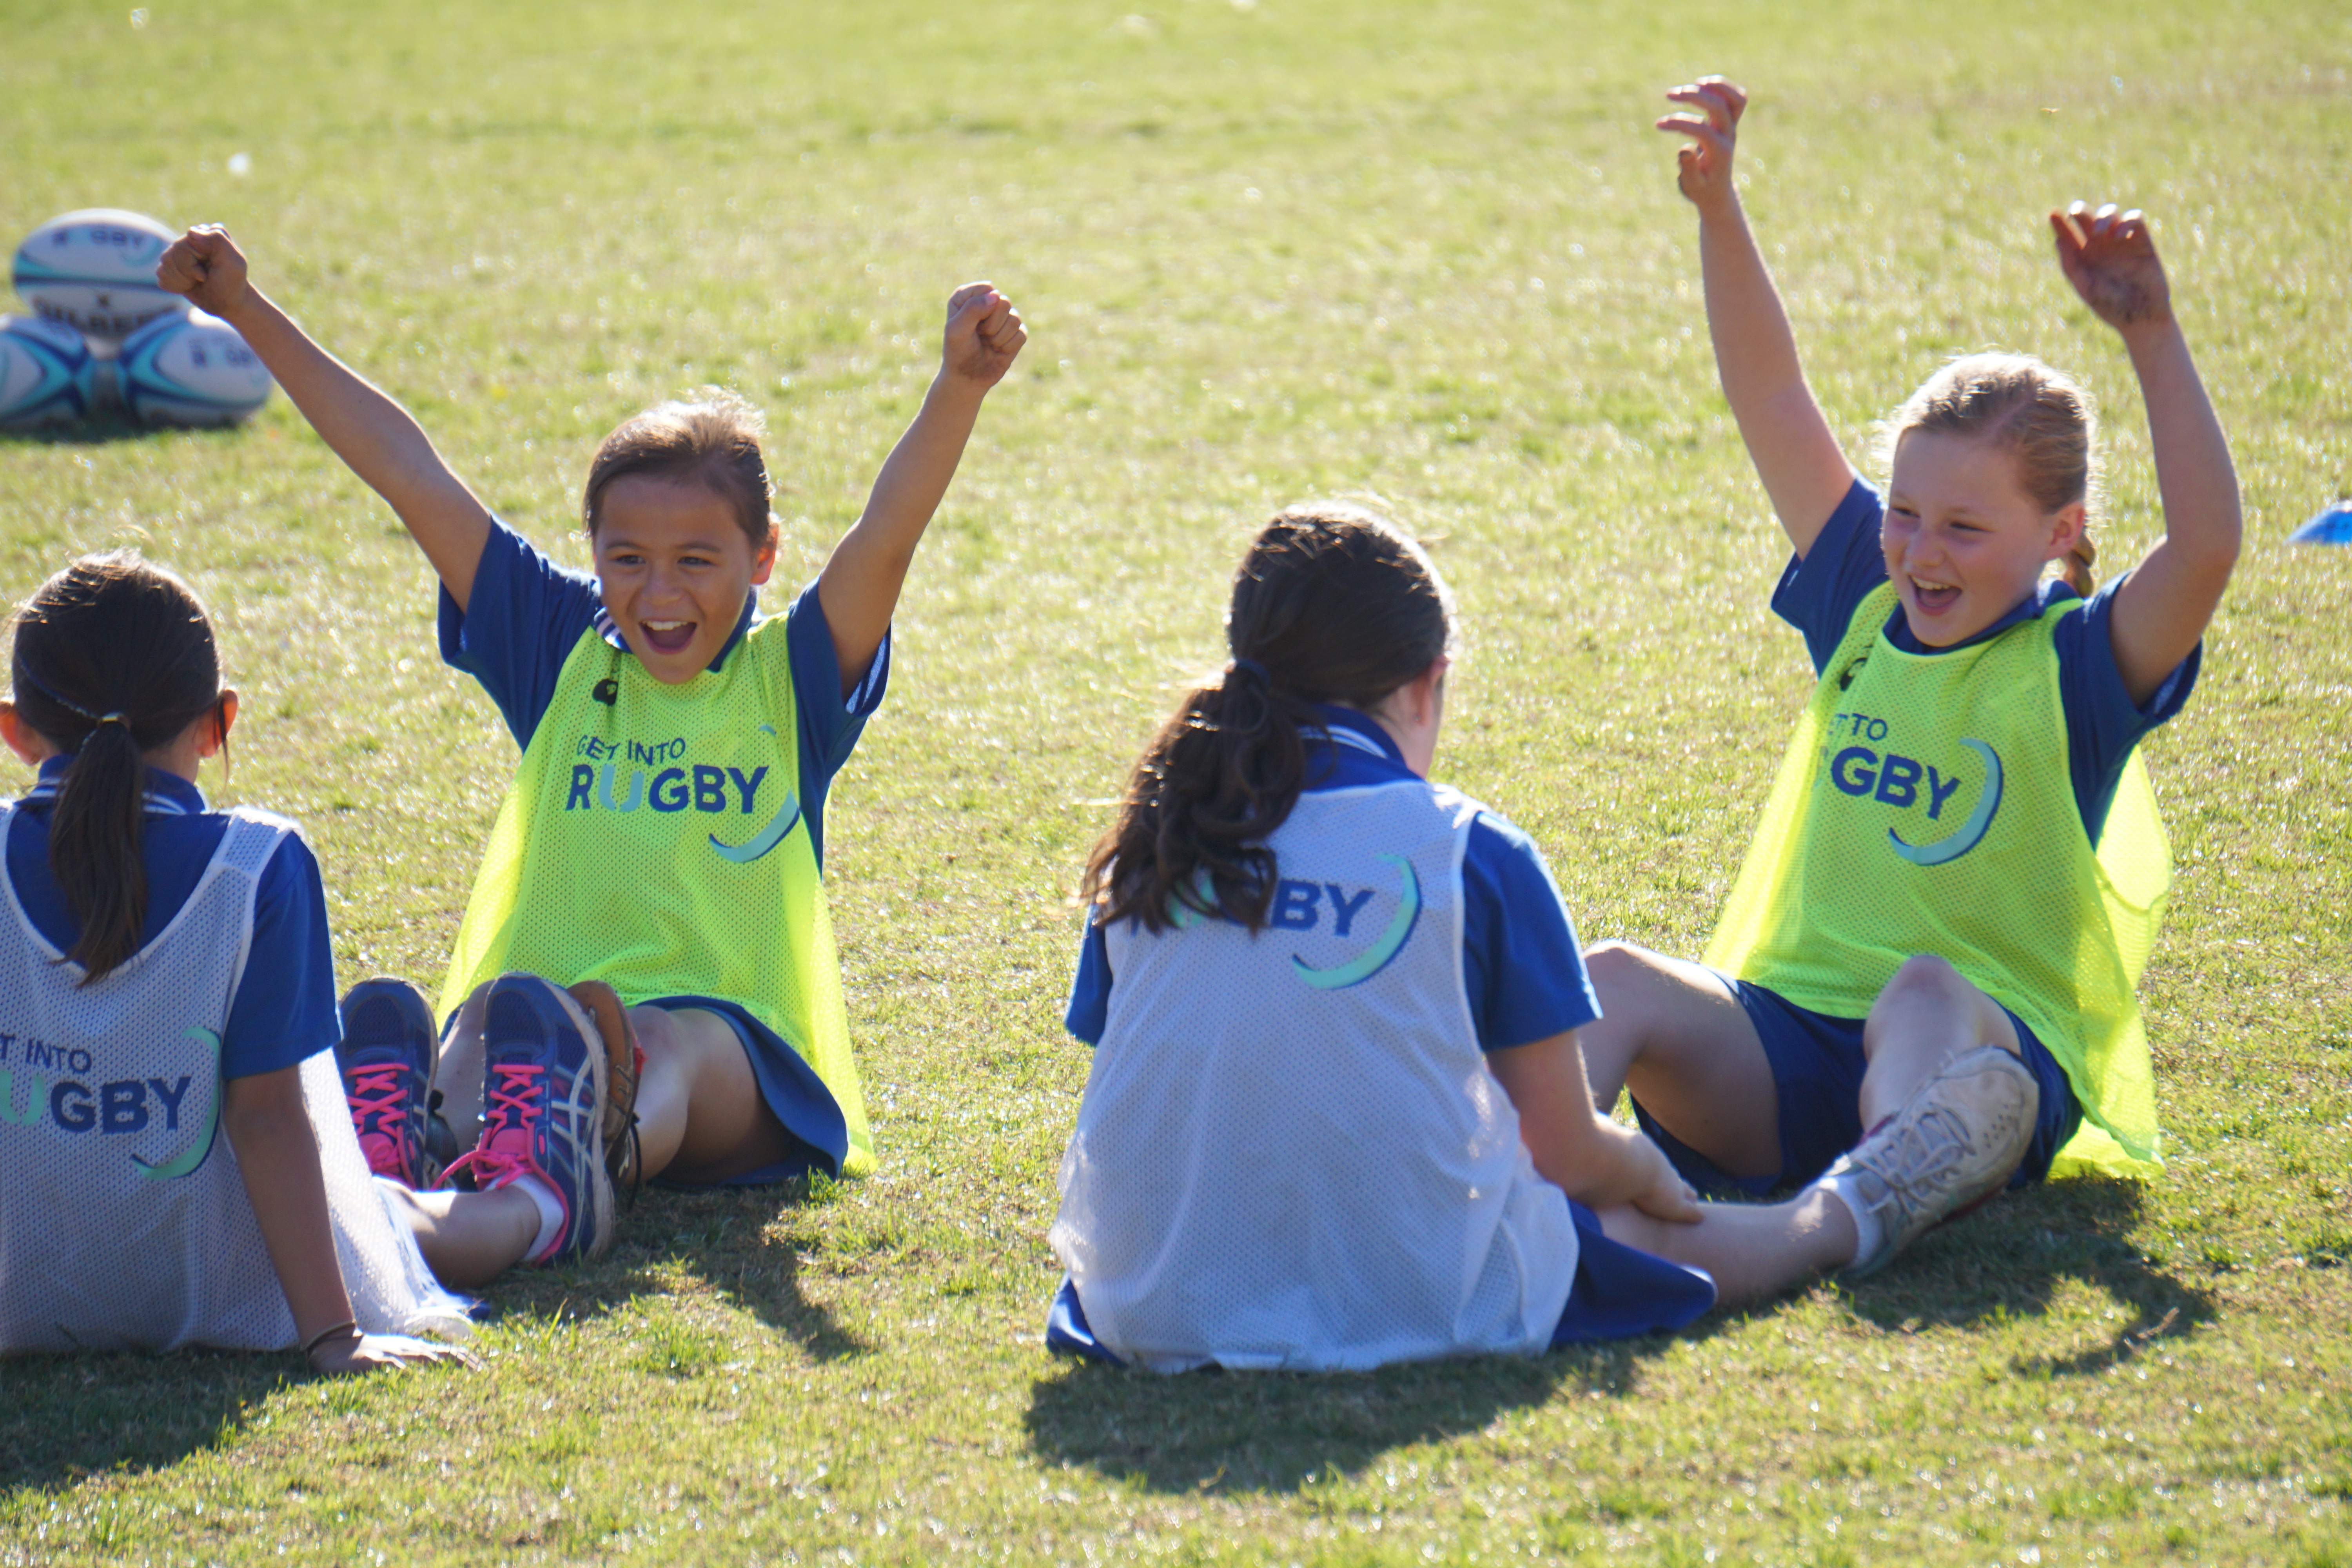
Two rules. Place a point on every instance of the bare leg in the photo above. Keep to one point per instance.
(701, 1114)
(1927, 1015)
(1754, 1252)
(470, 1238)
(1672, 1034)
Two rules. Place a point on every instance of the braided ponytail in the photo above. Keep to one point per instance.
(1330, 604)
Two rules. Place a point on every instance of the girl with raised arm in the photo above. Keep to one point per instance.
(1921, 988)
(652, 888)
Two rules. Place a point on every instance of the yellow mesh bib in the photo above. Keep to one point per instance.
(1925, 806)
(655, 841)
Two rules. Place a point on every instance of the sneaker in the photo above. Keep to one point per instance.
(625, 1060)
(385, 1058)
(1953, 1145)
(543, 1102)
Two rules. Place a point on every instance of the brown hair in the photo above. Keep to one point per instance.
(2015, 403)
(113, 658)
(1331, 603)
(713, 442)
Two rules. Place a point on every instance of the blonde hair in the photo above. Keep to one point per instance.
(713, 441)
(2017, 404)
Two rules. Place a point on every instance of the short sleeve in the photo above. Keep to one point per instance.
(518, 625)
(283, 1011)
(1821, 590)
(830, 723)
(1090, 1010)
(2103, 723)
(1522, 968)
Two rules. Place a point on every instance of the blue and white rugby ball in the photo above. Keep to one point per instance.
(95, 271)
(190, 370)
(46, 374)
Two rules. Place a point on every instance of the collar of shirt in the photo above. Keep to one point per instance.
(168, 794)
(2047, 595)
(1361, 750)
(607, 628)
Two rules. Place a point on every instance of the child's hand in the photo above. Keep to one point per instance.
(374, 1352)
(1664, 1194)
(206, 265)
(2110, 258)
(1705, 175)
(983, 337)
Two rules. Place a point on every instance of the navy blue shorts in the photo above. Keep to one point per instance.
(1620, 1291)
(1817, 1067)
(809, 1115)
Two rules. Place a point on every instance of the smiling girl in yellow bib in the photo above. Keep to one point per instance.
(1922, 982)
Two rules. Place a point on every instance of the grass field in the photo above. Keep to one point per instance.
(1266, 250)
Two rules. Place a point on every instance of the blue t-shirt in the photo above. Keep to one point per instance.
(1821, 590)
(284, 1010)
(526, 613)
(1521, 964)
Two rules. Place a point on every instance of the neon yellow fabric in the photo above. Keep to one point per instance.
(1924, 806)
(655, 842)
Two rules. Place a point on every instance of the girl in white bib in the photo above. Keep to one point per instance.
(176, 1166)
(1337, 1114)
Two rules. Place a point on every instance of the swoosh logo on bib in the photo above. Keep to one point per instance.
(1375, 958)
(767, 838)
(1946, 850)
(172, 1171)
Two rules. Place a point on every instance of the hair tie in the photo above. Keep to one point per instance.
(62, 700)
(1254, 666)
(106, 718)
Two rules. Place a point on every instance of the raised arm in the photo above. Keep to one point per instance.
(2162, 608)
(1599, 1162)
(860, 586)
(1805, 471)
(372, 434)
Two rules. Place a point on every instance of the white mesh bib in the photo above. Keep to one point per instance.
(1291, 1152)
(123, 1217)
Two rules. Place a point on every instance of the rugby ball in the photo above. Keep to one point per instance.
(46, 373)
(95, 271)
(189, 369)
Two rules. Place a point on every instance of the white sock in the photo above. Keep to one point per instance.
(1868, 1233)
(551, 1212)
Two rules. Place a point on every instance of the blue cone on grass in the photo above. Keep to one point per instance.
(2333, 526)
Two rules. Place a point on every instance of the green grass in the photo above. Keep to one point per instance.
(1431, 253)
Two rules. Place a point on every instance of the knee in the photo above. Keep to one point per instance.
(1618, 971)
(1925, 976)
(1925, 979)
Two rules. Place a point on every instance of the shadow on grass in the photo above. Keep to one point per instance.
(2009, 1260)
(1257, 1432)
(721, 1234)
(63, 1419)
(1275, 1432)
(102, 430)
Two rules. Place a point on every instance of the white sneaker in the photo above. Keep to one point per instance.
(1955, 1141)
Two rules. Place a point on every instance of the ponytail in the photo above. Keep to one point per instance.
(113, 658)
(2079, 561)
(1331, 605)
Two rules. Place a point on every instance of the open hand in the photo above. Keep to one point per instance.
(374, 1352)
(1705, 175)
(2110, 258)
(983, 337)
(206, 265)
